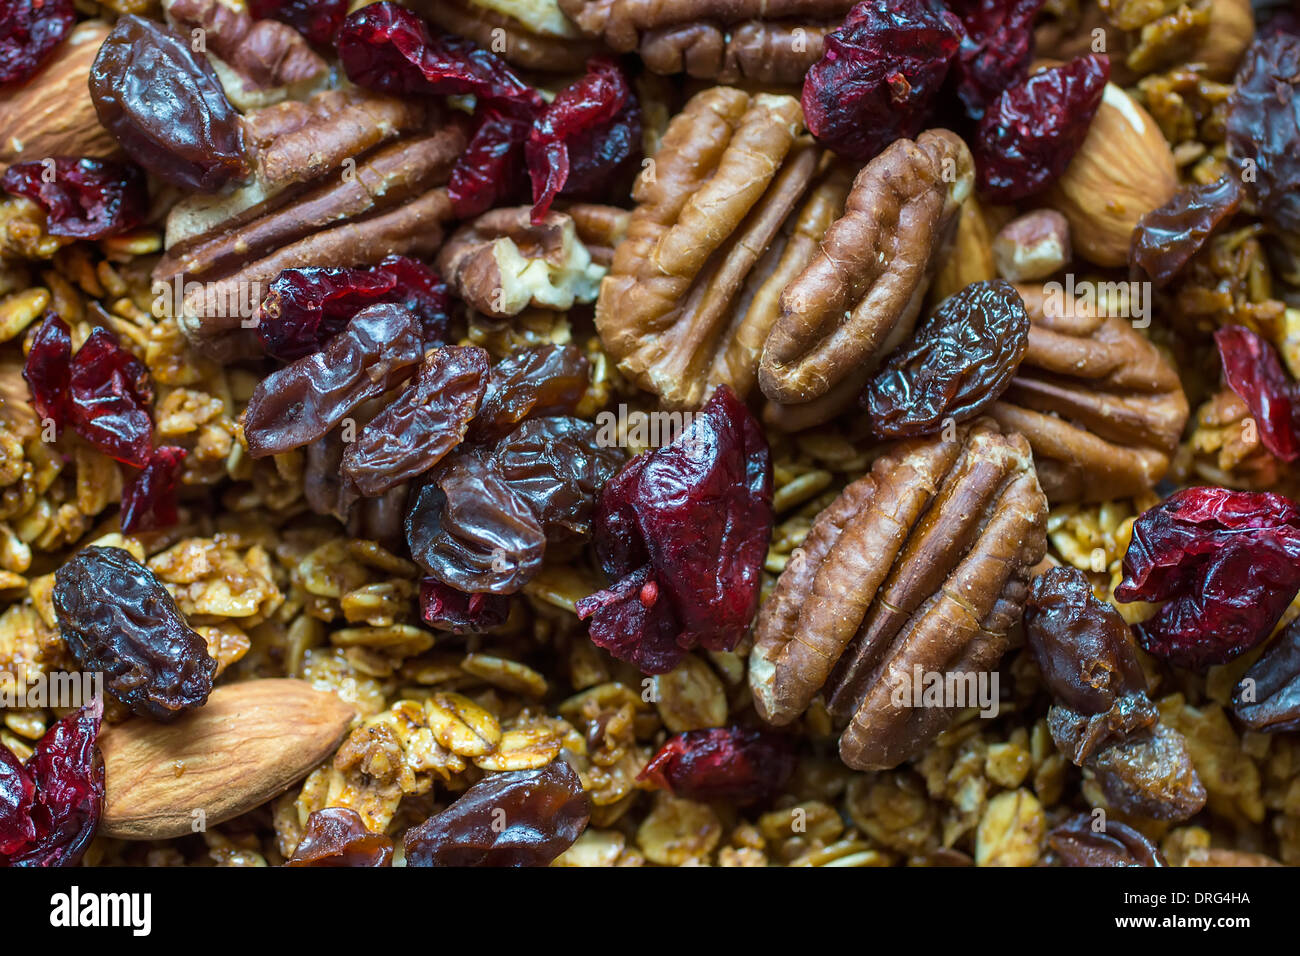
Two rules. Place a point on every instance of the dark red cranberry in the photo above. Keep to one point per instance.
(491, 171)
(317, 20)
(732, 764)
(109, 395)
(82, 198)
(17, 794)
(447, 609)
(30, 31)
(47, 369)
(1252, 369)
(149, 499)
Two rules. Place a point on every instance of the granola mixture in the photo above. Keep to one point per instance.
(622, 432)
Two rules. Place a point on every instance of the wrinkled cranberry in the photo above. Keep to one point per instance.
(879, 75)
(683, 531)
(995, 50)
(447, 609)
(337, 836)
(491, 170)
(305, 308)
(732, 764)
(82, 198)
(1032, 130)
(30, 30)
(386, 47)
(1227, 564)
(109, 397)
(17, 794)
(47, 368)
(149, 499)
(1252, 369)
(317, 20)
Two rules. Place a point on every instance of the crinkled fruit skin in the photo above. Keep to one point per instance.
(67, 773)
(149, 498)
(166, 107)
(337, 836)
(47, 369)
(1252, 369)
(116, 617)
(317, 20)
(30, 31)
(82, 198)
(1226, 562)
(683, 531)
(491, 172)
(518, 818)
(1263, 126)
(17, 795)
(955, 366)
(541, 380)
(996, 48)
(108, 401)
(1032, 130)
(730, 764)
(447, 609)
(1166, 238)
(1118, 844)
(879, 75)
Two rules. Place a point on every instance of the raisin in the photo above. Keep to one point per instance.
(731, 764)
(162, 101)
(683, 531)
(1166, 238)
(541, 380)
(336, 836)
(317, 20)
(1227, 564)
(47, 369)
(491, 172)
(1267, 698)
(379, 348)
(109, 395)
(423, 424)
(955, 367)
(17, 796)
(1078, 842)
(149, 499)
(1263, 126)
(116, 617)
(448, 609)
(996, 48)
(879, 75)
(1032, 130)
(518, 818)
(30, 32)
(1252, 369)
(82, 198)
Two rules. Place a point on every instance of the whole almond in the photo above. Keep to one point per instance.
(250, 742)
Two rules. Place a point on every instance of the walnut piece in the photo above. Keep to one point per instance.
(923, 563)
(1033, 246)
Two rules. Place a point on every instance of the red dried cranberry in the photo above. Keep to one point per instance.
(879, 75)
(109, 397)
(82, 198)
(683, 530)
(386, 47)
(491, 170)
(30, 30)
(447, 609)
(604, 160)
(17, 794)
(731, 764)
(149, 500)
(337, 836)
(996, 49)
(47, 368)
(1252, 369)
(582, 108)
(1227, 564)
(317, 20)
(1033, 129)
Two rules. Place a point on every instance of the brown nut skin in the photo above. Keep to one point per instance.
(1077, 843)
(860, 295)
(922, 563)
(557, 47)
(1100, 405)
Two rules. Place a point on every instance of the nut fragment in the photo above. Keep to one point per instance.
(922, 564)
(1032, 246)
(534, 34)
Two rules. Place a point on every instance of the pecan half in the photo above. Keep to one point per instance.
(860, 295)
(537, 36)
(921, 565)
(1100, 405)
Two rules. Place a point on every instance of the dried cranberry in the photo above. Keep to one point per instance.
(731, 764)
(604, 160)
(447, 609)
(1227, 564)
(1252, 369)
(17, 794)
(879, 75)
(995, 50)
(149, 499)
(47, 368)
(317, 20)
(491, 170)
(337, 836)
(683, 530)
(109, 397)
(30, 30)
(1032, 130)
(82, 198)
(1166, 238)
(581, 109)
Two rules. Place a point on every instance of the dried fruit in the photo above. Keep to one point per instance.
(116, 617)
(879, 75)
(17, 795)
(1252, 369)
(109, 395)
(1226, 564)
(1081, 841)
(82, 198)
(164, 103)
(542, 380)
(448, 609)
(683, 531)
(149, 499)
(1167, 238)
(1263, 126)
(337, 836)
(1267, 698)
(317, 20)
(1032, 130)
(996, 47)
(519, 818)
(955, 366)
(731, 764)
(47, 370)
(30, 32)
(491, 171)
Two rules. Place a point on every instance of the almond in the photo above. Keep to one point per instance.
(52, 114)
(252, 741)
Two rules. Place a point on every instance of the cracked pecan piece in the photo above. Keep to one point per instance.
(767, 42)
(923, 563)
(859, 296)
(1100, 405)
(536, 36)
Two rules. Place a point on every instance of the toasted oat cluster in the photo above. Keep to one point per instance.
(686, 432)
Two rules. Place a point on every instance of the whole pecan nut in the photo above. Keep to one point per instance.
(922, 565)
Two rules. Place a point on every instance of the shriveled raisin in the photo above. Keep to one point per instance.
(116, 617)
(30, 32)
(1263, 126)
(1267, 698)
(1166, 238)
(1252, 369)
(337, 836)
(1080, 841)
(542, 380)
(82, 198)
(732, 764)
(149, 498)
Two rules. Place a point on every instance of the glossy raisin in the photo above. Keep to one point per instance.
(1081, 841)
(82, 198)
(731, 764)
(1166, 238)
(337, 836)
(1252, 369)
(541, 380)
(149, 498)
(1263, 126)
(30, 32)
